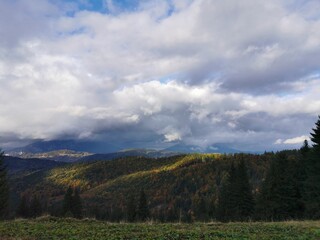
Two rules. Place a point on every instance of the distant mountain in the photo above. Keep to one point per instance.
(74, 145)
(17, 165)
(129, 152)
(58, 155)
(216, 148)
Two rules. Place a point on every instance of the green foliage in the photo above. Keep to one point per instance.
(23, 208)
(312, 182)
(315, 135)
(72, 205)
(131, 208)
(67, 201)
(35, 207)
(235, 201)
(305, 148)
(181, 188)
(68, 229)
(4, 188)
(143, 209)
(279, 198)
(244, 204)
(76, 204)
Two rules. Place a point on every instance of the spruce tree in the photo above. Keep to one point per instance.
(143, 210)
(244, 200)
(131, 209)
(223, 206)
(23, 208)
(315, 135)
(278, 198)
(35, 207)
(312, 183)
(67, 203)
(305, 148)
(76, 204)
(4, 188)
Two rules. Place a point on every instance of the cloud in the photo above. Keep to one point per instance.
(296, 140)
(202, 72)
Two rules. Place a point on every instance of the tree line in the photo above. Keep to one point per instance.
(290, 190)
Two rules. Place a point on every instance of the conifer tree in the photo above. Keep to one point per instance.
(244, 199)
(312, 183)
(35, 207)
(278, 198)
(305, 148)
(67, 203)
(76, 204)
(315, 135)
(143, 210)
(131, 209)
(23, 208)
(4, 189)
(223, 206)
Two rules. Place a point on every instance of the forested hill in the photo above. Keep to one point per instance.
(185, 186)
(17, 165)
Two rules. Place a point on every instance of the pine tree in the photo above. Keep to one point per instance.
(278, 198)
(315, 135)
(76, 204)
(143, 210)
(305, 148)
(131, 209)
(4, 189)
(35, 207)
(67, 203)
(23, 208)
(312, 183)
(244, 200)
(223, 206)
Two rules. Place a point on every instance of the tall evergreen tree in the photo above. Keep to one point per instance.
(131, 209)
(223, 207)
(35, 207)
(315, 135)
(23, 208)
(4, 188)
(143, 209)
(76, 204)
(312, 183)
(244, 198)
(278, 198)
(305, 148)
(67, 202)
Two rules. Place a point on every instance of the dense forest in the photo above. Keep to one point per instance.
(193, 187)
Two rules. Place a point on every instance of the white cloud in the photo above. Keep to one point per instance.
(296, 140)
(212, 71)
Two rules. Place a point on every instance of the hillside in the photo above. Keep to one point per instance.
(177, 182)
(63, 155)
(17, 165)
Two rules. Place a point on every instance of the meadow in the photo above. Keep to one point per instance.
(57, 228)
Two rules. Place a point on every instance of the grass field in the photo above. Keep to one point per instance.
(55, 228)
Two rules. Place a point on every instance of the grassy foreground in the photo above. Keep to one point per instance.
(55, 228)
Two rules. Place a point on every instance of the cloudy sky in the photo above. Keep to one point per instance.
(153, 73)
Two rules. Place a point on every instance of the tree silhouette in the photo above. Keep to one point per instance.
(244, 198)
(67, 202)
(131, 209)
(312, 183)
(23, 208)
(4, 189)
(143, 210)
(35, 207)
(76, 208)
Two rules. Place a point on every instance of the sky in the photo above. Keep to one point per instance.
(155, 73)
